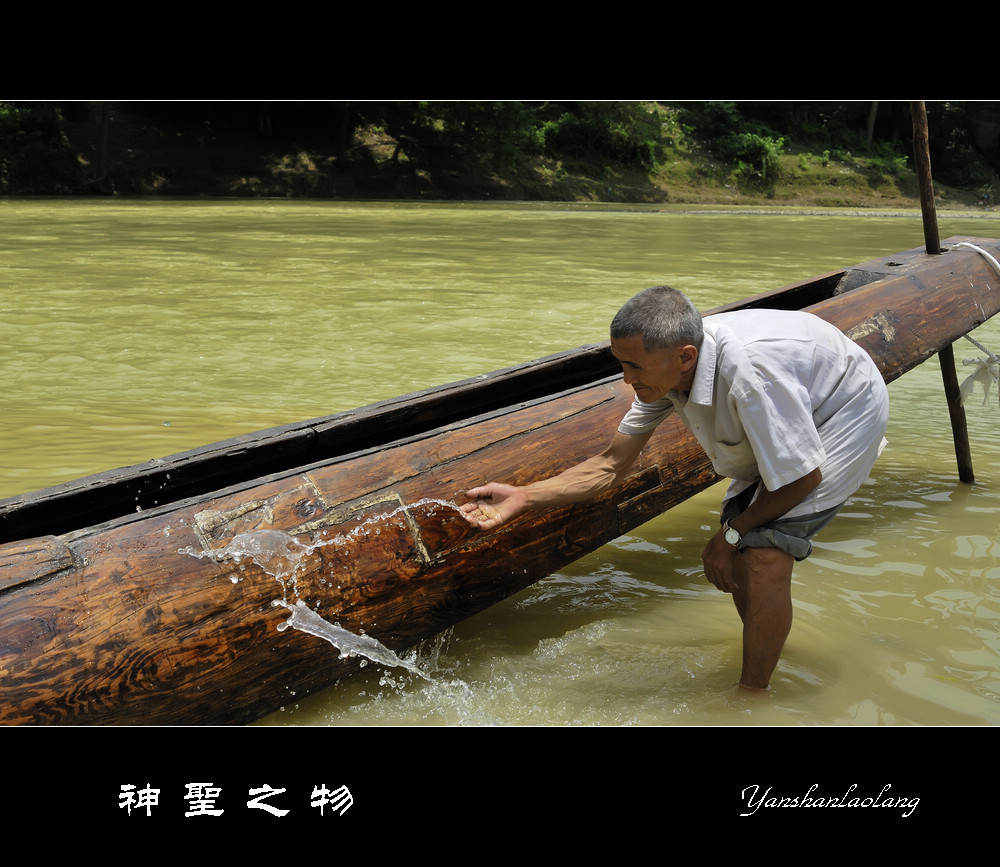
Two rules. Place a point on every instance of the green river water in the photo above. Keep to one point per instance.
(132, 330)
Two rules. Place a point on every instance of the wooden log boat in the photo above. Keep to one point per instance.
(162, 593)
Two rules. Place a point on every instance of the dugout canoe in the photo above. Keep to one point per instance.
(123, 600)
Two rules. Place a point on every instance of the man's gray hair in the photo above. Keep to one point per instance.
(662, 316)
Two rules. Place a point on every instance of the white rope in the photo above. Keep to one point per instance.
(987, 371)
(988, 256)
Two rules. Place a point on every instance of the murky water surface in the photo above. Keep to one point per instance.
(132, 330)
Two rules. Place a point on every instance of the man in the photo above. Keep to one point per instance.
(785, 405)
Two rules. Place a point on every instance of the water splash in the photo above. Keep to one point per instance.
(348, 643)
(283, 556)
(279, 554)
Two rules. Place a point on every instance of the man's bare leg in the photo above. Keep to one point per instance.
(764, 602)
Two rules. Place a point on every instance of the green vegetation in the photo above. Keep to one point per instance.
(815, 154)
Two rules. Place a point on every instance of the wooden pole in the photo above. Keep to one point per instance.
(922, 154)
(960, 432)
(946, 355)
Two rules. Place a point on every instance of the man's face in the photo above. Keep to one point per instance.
(652, 373)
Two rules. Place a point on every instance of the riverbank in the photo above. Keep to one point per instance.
(689, 178)
(686, 174)
(805, 183)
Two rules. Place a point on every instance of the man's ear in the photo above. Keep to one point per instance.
(689, 357)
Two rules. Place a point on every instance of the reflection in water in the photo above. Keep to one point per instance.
(133, 330)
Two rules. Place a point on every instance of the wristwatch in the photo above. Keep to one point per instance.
(732, 535)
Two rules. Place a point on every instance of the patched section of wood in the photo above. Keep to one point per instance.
(212, 526)
(440, 529)
(275, 505)
(32, 559)
(877, 324)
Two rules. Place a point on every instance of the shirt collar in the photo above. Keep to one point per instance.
(704, 376)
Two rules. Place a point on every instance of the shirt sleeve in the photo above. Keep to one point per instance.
(643, 418)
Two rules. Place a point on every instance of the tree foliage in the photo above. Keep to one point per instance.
(453, 147)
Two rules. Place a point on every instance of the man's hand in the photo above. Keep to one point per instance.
(719, 555)
(718, 558)
(492, 505)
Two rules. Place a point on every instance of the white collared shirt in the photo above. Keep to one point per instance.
(777, 394)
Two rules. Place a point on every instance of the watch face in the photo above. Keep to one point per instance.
(732, 537)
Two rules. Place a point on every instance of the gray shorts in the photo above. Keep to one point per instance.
(790, 535)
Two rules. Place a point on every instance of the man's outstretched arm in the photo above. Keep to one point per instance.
(493, 504)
